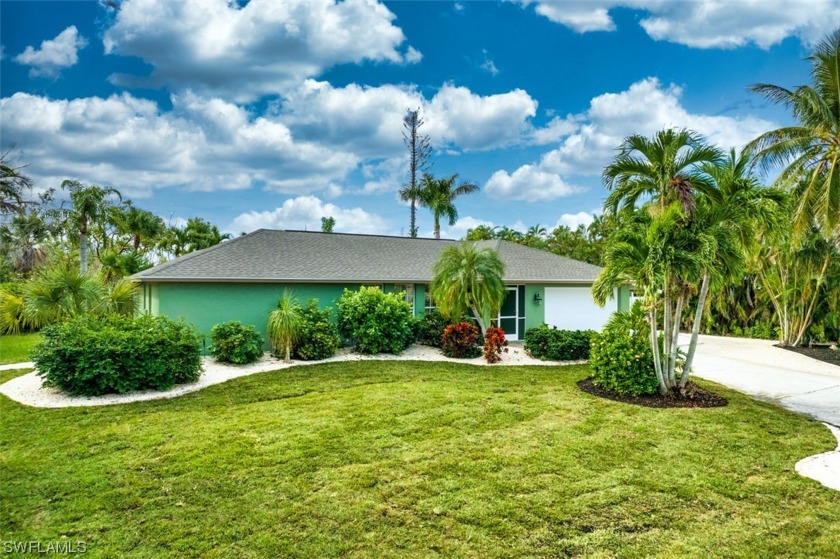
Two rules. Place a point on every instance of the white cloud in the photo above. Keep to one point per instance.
(305, 212)
(265, 47)
(528, 183)
(461, 227)
(488, 65)
(368, 120)
(54, 54)
(644, 108)
(705, 23)
(199, 145)
(572, 221)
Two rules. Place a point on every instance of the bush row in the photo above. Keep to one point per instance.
(94, 356)
(552, 344)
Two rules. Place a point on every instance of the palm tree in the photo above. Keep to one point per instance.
(810, 148)
(90, 204)
(469, 278)
(60, 292)
(439, 196)
(665, 169)
(284, 324)
(144, 227)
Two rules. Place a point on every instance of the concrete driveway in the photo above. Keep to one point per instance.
(757, 368)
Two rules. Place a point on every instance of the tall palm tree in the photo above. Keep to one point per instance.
(144, 227)
(90, 203)
(284, 325)
(439, 196)
(468, 277)
(810, 148)
(665, 169)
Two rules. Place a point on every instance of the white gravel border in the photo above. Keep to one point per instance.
(27, 389)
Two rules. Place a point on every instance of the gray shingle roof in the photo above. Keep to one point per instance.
(300, 256)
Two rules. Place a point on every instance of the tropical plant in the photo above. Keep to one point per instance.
(809, 150)
(89, 204)
(461, 341)
(431, 327)
(327, 224)
(494, 343)
(233, 342)
(144, 227)
(319, 337)
(419, 150)
(197, 234)
(466, 277)
(284, 324)
(375, 321)
(553, 344)
(439, 195)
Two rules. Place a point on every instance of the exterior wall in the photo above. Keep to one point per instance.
(624, 298)
(207, 304)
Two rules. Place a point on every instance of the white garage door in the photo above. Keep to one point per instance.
(572, 308)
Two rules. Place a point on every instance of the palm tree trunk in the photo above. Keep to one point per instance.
(288, 358)
(806, 318)
(479, 319)
(695, 329)
(83, 251)
(437, 226)
(672, 377)
(654, 345)
(666, 332)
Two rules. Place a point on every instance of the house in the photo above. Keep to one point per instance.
(243, 279)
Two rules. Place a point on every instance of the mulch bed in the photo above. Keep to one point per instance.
(695, 397)
(825, 354)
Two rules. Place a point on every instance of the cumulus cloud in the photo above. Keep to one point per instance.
(704, 23)
(461, 227)
(573, 221)
(367, 119)
(54, 54)
(220, 48)
(199, 145)
(644, 108)
(528, 183)
(305, 212)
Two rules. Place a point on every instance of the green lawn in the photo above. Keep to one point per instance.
(407, 459)
(15, 349)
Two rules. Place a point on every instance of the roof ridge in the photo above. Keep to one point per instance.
(357, 234)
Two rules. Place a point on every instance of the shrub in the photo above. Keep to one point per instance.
(318, 337)
(375, 322)
(231, 342)
(621, 359)
(430, 328)
(552, 344)
(461, 340)
(94, 356)
(494, 342)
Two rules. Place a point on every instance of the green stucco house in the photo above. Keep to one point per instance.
(243, 279)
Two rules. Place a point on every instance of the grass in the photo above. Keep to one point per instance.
(408, 459)
(15, 349)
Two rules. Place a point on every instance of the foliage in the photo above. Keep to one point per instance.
(621, 358)
(439, 196)
(430, 328)
(552, 344)
(233, 342)
(808, 150)
(461, 341)
(327, 224)
(90, 204)
(419, 150)
(318, 337)
(94, 356)
(284, 326)
(375, 322)
(197, 234)
(468, 278)
(494, 343)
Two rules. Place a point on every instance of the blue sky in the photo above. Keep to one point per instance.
(274, 114)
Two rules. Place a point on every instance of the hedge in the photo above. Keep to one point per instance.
(552, 344)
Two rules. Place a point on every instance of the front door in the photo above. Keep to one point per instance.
(508, 319)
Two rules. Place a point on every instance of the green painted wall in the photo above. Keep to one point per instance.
(534, 313)
(208, 304)
(624, 298)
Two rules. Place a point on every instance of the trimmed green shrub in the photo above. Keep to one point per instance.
(430, 328)
(552, 344)
(374, 321)
(318, 338)
(621, 359)
(461, 340)
(232, 342)
(95, 356)
(494, 343)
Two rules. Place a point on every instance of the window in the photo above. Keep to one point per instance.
(407, 289)
(430, 303)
